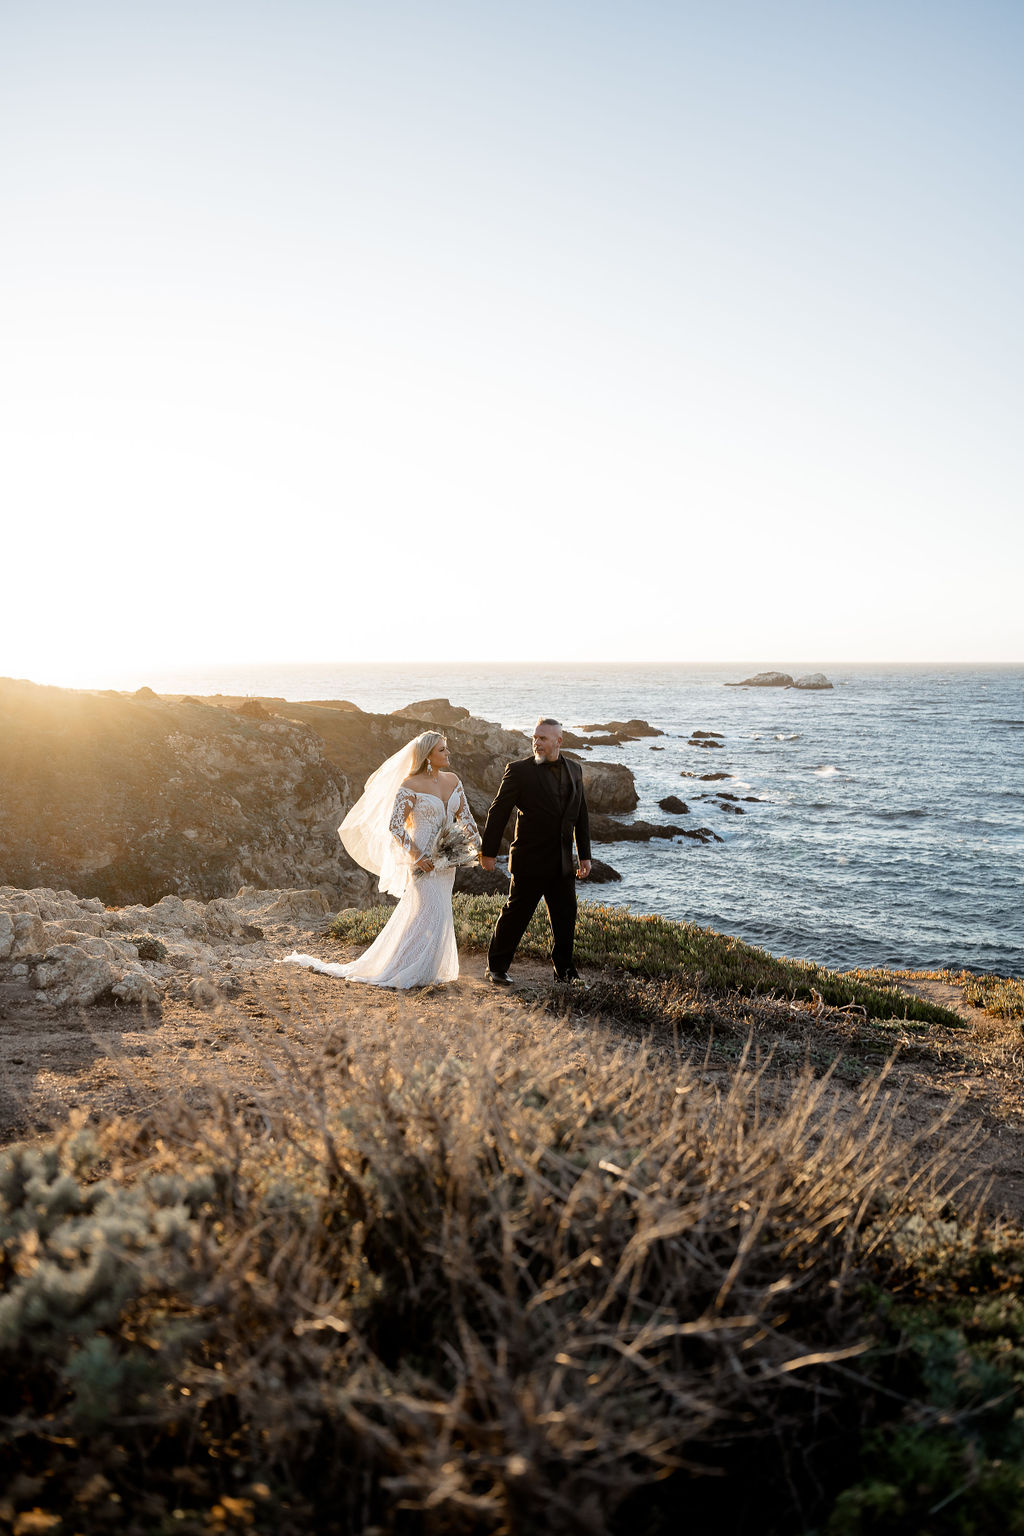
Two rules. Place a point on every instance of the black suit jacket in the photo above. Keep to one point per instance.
(542, 837)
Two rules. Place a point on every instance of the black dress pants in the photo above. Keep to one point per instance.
(559, 894)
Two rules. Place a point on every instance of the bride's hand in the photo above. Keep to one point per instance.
(425, 864)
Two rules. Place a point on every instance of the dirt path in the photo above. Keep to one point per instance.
(122, 1060)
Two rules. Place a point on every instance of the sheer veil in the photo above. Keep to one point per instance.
(365, 832)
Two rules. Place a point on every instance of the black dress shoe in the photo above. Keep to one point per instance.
(499, 978)
(567, 978)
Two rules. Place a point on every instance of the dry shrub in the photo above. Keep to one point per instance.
(481, 1277)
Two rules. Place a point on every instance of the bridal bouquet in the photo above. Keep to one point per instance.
(451, 848)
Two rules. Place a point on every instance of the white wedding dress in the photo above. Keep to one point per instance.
(417, 944)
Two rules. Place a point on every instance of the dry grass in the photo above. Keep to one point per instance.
(457, 1276)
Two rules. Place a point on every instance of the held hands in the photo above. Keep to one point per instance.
(486, 862)
(424, 864)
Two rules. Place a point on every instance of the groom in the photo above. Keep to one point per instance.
(546, 791)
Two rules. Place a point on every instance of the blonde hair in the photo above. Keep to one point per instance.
(422, 748)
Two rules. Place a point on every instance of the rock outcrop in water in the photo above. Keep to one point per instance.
(810, 681)
(765, 680)
(618, 731)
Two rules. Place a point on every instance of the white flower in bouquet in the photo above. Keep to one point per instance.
(451, 848)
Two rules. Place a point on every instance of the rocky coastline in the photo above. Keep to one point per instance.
(152, 845)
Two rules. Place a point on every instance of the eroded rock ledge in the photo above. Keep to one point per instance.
(68, 950)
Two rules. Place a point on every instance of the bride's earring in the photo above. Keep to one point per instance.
(430, 769)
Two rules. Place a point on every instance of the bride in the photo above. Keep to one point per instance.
(412, 806)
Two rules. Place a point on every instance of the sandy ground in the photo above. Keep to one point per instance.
(122, 1060)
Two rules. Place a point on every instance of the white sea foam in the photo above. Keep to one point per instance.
(825, 771)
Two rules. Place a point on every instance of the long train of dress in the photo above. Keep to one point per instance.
(416, 945)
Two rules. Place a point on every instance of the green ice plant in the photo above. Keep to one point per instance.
(611, 938)
(76, 1252)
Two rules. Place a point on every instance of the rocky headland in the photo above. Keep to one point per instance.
(153, 842)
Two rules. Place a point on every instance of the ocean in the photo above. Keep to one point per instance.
(886, 824)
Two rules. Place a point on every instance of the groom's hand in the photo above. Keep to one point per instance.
(487, 862)
(584, 869)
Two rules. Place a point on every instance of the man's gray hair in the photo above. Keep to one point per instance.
(547, 720)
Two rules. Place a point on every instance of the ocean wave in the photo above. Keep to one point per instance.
(908, 813)
(780, 736)
(825, 771)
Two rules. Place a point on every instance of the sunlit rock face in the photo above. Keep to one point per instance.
(128, 798)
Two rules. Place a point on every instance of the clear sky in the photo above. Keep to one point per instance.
(671, 331)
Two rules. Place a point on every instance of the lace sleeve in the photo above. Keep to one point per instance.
(464, 817)
(404, 801)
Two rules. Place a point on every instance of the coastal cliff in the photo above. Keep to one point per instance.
(132, 797)
(129, 798)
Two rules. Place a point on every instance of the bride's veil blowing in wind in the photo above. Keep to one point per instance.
(366, 831)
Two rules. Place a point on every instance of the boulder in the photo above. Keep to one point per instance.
(812, 681)
(296, 906)
(674, 806)
(697, 741)
(434, 711)
(202, 992)
(475, 881)
(765, 680)
(601, 873)
(626, 730)
(29, 934)
(706, 736)
(702, 835)
(609, 787)
(136, 987)
(68, 975)
(6, 935)
(605, 829)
